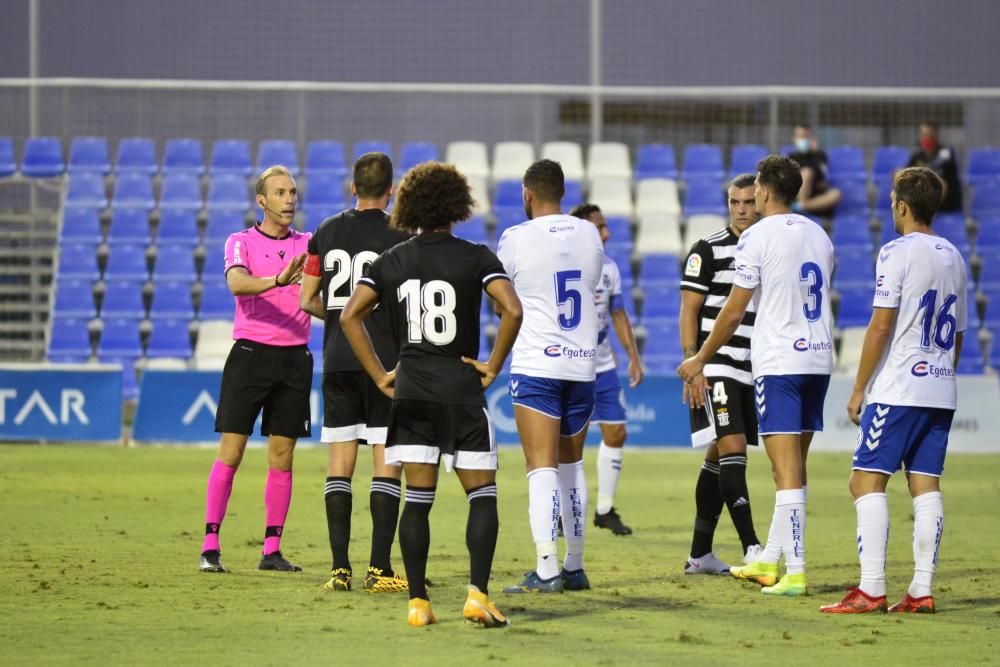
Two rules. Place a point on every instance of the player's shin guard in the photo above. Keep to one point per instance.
(385, 492)
(790, 515)
(609, 469)
(415, 537)
(928, 527)
(543, 515)
(873, 535)
(573, 506)
(220, 485)
(339, 502)
(277, 498)
(733, 486)
(708, 506)
(481, 534)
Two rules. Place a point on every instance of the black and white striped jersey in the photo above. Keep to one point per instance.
(709, 270)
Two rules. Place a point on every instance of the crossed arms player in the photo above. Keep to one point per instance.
(269, 367)
(785, 262)
(907, 369)
(431, 287)
(354, 409)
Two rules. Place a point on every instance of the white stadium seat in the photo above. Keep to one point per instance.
(700, 226)
(657, 195)
(469, 157)
(511, 159)
(569, 155)
(215, 338)
(659, 233)
(481, 193)
(613, 195)
(851, 340)
(608, 160)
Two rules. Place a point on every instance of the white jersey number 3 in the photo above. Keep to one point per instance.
(430, 311)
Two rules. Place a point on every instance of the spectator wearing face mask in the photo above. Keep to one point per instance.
(943, 161)
(816, 195)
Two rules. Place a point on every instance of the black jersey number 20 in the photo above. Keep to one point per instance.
(346, 271)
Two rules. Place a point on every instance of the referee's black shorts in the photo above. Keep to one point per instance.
(275, 379)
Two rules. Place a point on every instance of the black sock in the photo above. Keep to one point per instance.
(385, 513)
(415, 537)
(733, 485)
(708, 507)
(338, 519)
(481, 534)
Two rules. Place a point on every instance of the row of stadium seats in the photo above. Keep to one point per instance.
(43, 157)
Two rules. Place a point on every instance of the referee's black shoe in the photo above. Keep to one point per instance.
(612, 522)
(275, 561)
(210, 562)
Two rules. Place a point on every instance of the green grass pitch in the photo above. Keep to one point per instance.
(101, 551)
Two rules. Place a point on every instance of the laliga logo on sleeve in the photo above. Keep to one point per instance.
(919, 369)
(553, 351)
(800, 345)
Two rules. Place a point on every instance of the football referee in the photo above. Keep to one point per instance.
(269, 367)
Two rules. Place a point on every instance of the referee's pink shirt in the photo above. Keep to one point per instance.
(274, 317)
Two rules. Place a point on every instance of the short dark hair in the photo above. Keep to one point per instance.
(584, 210)
(743, 181)
(432, 195)
(921, 189)
(782, 175)
(545, 179)
(372, 175)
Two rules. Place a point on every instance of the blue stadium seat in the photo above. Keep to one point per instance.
(230, 156)
(660, 270)
(745, 158)
(133, 189)
(971, 360)
(126, 262)
(417, 152)
(703, 161)
(887, 231)
(222, 223)
(473, 229)
(883, 196)
(183, 156)
(704, 196)
(619, 228)
(655, 161)
(854, 197)
(69, 341)
(123, 298)
(507, 218)
(989, 275)
(325, 157)
(952, 227)
(228, 191)
(988, 235)
(984, 166)
(120, 339)
(508, 195)
(372, 146)
(326, 191)
(217, 302)
(177, 226)
(174, 262)
(80, 225)
(136, 154)
(852, 230)
(73, 298)
(854, 267)
(986, 199)
(214, 267)
(171, 300)
(86, 189)
(129, 225)
(170, 338)
(994, 351)
(855, 306)
(42, 158)
(316, 332)
(180, 190)
(660, 304)
(973, 321)
(278, 151)
(573, 195)
(79, 261)
(662, 353)
(8, 163)
(315, 216)
(89, 154)
(888, 159)
(846, 163)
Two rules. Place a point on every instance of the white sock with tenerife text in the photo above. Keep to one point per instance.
(573, 499)
(928, 528)
(873, 535)
(609, 469)
(543, 515)
(790, 514)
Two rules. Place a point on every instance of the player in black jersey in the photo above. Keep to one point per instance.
(355, 410)
(431, 287)
(722, 404)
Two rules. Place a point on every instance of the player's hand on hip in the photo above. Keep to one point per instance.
(635, 373)
(486, 375)
(690, 368)
(387, 383)
(292, 273)
(694, 391)
(854, 406)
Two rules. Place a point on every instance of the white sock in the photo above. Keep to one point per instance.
(573, 487)
(873, 535)
(805, 491)
(790, 515)
(543, 515)
(772, 549)
(609, 468)
(928, 526)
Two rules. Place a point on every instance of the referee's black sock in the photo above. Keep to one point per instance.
(339, 502)
(708, 507)
(733, 484)
(415, 537)
(385, 492)
(481, 533)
